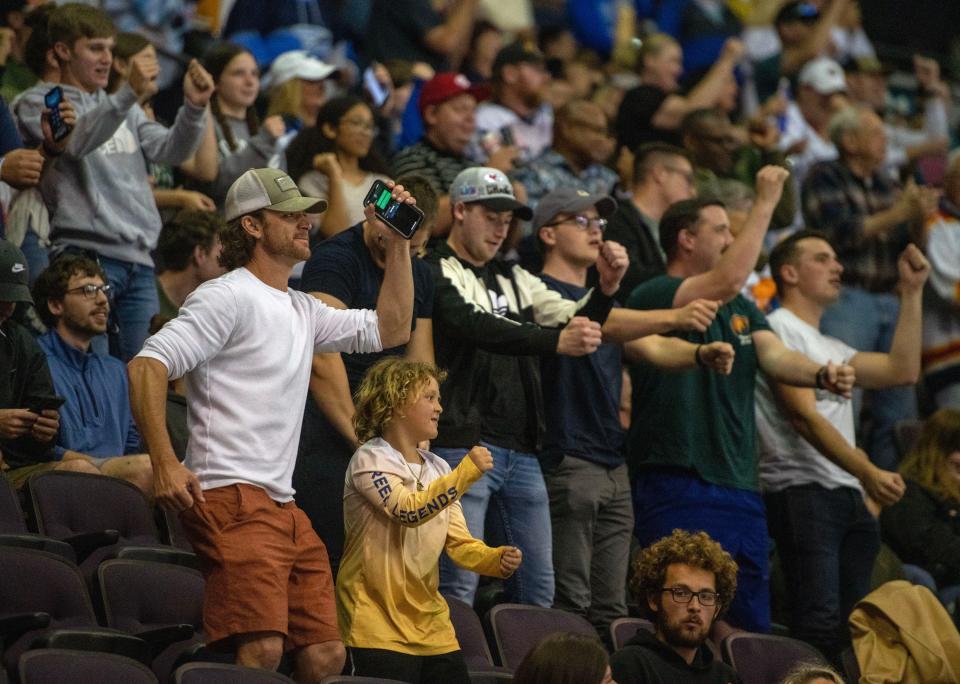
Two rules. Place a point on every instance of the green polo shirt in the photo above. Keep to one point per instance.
(699, 419)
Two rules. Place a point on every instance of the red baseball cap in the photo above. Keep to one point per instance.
(445, 86)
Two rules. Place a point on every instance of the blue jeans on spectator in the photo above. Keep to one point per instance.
(827, 541)
(36, 254)
(866, 321)
(133, 303)
(516, 490)
(665, 499)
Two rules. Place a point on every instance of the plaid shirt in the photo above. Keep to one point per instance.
(837, 202)
(550, 171)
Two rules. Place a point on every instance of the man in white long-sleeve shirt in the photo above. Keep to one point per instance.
(245, 343)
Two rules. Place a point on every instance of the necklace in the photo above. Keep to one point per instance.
(415, 476)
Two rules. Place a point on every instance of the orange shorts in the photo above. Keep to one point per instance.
(265, 567)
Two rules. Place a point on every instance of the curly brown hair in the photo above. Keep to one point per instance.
(388, 385)
(237, 243)
(695, 549)
(52, 283)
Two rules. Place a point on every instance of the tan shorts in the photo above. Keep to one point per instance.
(265, 567)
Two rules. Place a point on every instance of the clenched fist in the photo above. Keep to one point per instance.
(482, 458)
(581, 336)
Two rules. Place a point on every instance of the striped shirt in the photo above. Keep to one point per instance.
(437, 166)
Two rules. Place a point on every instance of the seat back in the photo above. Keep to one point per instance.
(219, 673)
(67, 504)
(351, 679)
(851, 668)
(764, 658)
(54, 666)
(518, 628)
(37, 581)
(469, 630)
(624, 629)
(11, 515)
(141, 595)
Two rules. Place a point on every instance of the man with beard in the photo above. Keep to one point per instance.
(245, 343)
(685, 582)
(97, 433)
(517, 115)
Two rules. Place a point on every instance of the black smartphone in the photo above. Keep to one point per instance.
(52, 99)
(506, 137)
(50, 402)
(402, 217)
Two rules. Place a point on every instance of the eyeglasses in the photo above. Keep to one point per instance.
(582, 222)
(591, 126)
(684, 595)
(687, 175)
(90, 291)
(357, 124)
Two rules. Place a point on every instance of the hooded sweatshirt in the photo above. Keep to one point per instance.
(98, 192)
(647, 660)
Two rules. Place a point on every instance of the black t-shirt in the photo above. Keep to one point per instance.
(24, 375)
(635, 118)
(582, 399)
(397, 28)
(343, 268)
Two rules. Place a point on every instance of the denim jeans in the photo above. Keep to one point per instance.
(866, 321)
(514, 487)
(827, 542)
(133, 303)
(669, 498)
(591, 513)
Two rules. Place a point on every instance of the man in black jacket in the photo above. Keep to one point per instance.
(685, 582)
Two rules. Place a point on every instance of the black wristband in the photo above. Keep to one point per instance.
(819, 378)
(696, 355)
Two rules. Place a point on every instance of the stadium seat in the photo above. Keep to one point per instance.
(218, 673)
(623, 630)
(518, 628)
(160, 603)
(13, 526)
(470, 634)
(851, 668)
(55, 666)
(764, 658)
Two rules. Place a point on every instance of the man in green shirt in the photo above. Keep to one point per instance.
(187, 252)
(692, 438)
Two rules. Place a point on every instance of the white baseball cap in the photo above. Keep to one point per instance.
(272, 189)
(823, 75)
(297, 64)
(490, 187)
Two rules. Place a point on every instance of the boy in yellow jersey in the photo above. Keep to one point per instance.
(401, 509)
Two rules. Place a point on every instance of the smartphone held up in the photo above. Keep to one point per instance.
(58, 126)
(402, 217)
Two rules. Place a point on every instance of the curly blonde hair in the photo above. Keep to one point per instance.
(388, 385)
(695, 549)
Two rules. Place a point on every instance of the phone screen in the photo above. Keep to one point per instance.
(378, 92)
(402, 217)
(52, 100)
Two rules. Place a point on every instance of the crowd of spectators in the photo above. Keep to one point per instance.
(686, 269)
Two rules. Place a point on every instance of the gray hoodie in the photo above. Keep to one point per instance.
(98, 192)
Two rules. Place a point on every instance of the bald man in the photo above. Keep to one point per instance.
(581, 143)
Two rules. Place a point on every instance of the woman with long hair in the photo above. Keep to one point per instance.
(923, 528)
(243, 141)
(202, 166)
(336, 160)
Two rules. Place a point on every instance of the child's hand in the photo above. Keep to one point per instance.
(482, 458)
(510, 560)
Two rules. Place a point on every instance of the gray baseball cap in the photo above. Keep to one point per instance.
(570, 201)
(14, 284)
(490, 187)
(267, 189)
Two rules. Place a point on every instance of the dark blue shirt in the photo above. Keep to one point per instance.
(582, 399)
(96, 419)
(343, 268)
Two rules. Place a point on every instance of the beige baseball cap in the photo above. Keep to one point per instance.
(267, 189)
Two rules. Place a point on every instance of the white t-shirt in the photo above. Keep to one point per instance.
(246, 349)
(533, 135)
(817, 149)
(786, 458)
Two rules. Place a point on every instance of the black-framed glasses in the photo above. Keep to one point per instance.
(684, 595)
(582, 222)
(90, 291)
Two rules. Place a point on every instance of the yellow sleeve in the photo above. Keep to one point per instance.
(411, 508)
(468, 552)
